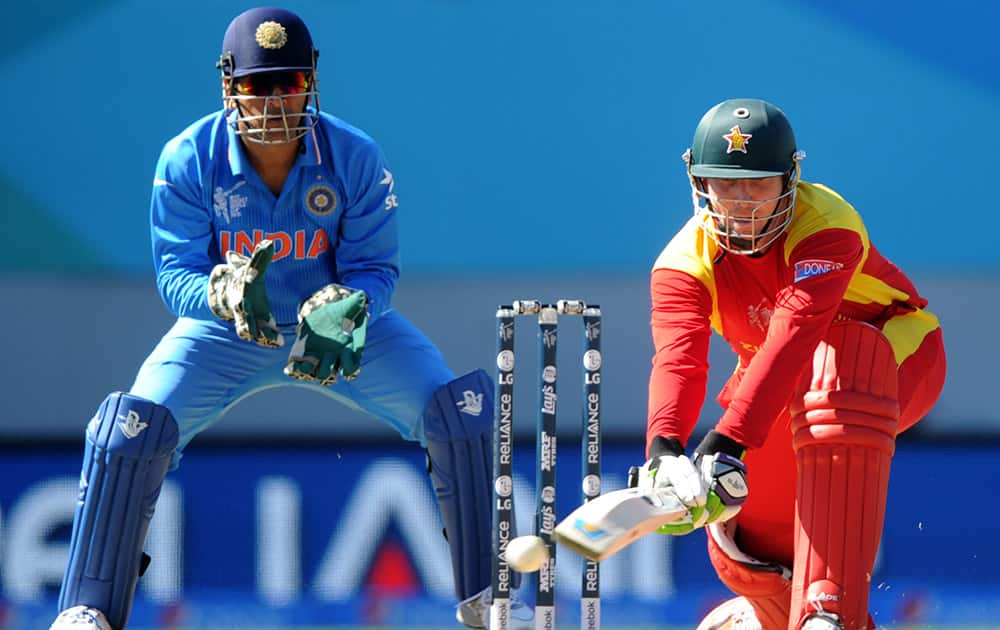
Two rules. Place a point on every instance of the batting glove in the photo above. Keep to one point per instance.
(719, 460)
(712, 485)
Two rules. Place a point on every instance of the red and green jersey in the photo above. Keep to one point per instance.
(772, 309)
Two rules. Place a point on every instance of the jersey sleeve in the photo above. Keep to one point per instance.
(822, 266)
(368, 248)
(181, 232)
(681, 309)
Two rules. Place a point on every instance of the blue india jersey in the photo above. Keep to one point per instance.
(334, 221)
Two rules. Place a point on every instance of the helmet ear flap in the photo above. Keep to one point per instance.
(226, 64)
(794, 174)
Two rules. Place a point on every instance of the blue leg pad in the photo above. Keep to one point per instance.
(128, 448)
(458, 424)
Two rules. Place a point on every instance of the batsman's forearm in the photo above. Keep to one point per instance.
(682, 306)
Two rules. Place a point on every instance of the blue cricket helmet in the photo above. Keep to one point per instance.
(267, 39)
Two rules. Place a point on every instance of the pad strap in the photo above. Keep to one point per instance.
(764, 585)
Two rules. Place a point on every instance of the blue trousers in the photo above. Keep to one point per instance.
(201, 368)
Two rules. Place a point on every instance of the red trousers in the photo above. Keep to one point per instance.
(767, 526)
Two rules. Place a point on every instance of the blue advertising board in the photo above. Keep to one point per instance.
(349, 535)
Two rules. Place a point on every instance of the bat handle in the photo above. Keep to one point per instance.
(633, 476)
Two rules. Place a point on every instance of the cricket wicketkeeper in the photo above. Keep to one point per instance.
(273, 220)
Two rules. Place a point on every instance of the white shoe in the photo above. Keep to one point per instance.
(81, 618)
(822, 621)
(735, 613)
(474, 612)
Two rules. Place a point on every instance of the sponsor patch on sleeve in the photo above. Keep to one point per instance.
(815, 267)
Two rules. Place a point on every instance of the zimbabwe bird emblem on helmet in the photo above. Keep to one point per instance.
(737, 140)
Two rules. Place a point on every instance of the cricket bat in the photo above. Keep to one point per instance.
(600, 527)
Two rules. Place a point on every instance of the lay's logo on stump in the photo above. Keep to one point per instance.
(813, 267)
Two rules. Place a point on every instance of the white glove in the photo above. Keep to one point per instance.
(713, 486)
(676, 472)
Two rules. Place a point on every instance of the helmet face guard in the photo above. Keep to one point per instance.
(257, 127)
(720, 222)
(273, 122)
(744, 139)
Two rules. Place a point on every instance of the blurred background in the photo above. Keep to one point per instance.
(536, 151)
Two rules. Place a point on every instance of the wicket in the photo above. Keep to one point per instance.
(545, 451)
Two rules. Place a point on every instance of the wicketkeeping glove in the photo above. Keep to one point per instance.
(330, 336)
(713, 485)
(236, 292)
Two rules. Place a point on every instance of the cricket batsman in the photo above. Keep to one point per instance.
(837, 355)
(274, 234)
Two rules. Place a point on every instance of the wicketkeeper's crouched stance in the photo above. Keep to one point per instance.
(271, 164)
(132, 440)
(837, 356)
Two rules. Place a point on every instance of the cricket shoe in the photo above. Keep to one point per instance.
(822, 621)
(735, 614)
(474, 612)
(81, 618)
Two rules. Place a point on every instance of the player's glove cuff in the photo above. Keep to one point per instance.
(218, 285)
(719, 461)
(715, 442)
(665, 446)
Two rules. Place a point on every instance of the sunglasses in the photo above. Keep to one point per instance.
(263, 83)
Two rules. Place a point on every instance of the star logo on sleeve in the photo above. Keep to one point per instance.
(391, 200)
(737, 140)
(387, 180)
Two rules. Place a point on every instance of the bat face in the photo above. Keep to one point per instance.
(599, 528)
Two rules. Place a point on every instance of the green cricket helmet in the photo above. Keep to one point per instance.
(744, 138)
